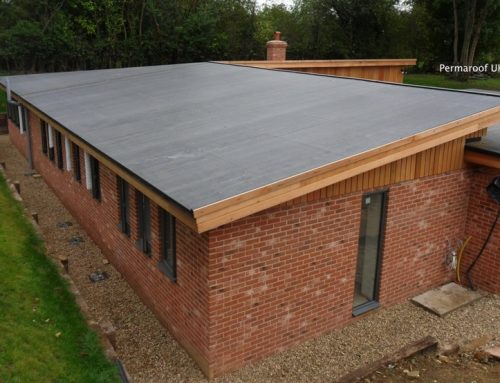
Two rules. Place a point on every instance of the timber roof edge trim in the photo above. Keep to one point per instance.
(228, 210)
(323, 63)
(482, 159)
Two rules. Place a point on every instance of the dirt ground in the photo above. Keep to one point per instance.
(150, 353)
(462, 367)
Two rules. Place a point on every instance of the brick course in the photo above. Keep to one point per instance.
(272, 280)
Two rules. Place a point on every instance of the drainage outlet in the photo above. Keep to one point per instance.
(98, 276)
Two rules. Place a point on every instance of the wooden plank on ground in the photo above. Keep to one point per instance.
(405, 352)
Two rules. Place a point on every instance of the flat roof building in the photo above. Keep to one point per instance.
(251, 208)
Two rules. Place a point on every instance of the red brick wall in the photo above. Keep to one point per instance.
(181, 306)
(482, 212)
(422, 216)
(18, 139)
(280, 277)
(287, 274)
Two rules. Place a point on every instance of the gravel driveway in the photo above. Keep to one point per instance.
(149, 352)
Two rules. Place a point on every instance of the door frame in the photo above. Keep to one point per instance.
(361, 309)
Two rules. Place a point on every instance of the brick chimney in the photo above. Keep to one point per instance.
(276, 49)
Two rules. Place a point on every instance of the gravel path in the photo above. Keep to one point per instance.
(150, 354)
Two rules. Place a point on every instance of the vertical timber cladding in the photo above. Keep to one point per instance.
(380, 73)
(440, 159)
(390, 70)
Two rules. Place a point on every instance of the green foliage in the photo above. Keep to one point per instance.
(441, 81)
(55, 35)
(3, 101)
(44, 336)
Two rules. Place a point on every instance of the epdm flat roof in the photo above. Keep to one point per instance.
(489, 144)
(204, 132)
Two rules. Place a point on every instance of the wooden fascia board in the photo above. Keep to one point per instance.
(180, 213)
(473, 157)
(288, 64)
(231, 209)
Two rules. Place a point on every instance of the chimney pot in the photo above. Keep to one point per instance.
(276, 49)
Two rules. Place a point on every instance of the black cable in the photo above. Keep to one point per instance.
(121, 371)
(481, 251)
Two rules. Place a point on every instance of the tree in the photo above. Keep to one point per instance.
(456, 29)
(475, 20)
(54, 35)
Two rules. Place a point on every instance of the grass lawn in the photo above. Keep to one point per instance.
(43, 336)
(444, 82)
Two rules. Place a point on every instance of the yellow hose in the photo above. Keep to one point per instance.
(459, 260)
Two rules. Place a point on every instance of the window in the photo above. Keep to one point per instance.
(92, 179)
(124, 223)
(22, 118)
(51, 142)
(369, 252)
(44, 134)
(59, 149)
(144, 223)
(167, 234)
(96, 181)
(13, 112)
(77, 175)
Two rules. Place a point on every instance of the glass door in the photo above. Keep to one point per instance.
(369, 252)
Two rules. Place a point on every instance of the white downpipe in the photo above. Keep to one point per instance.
(21, 125)
(88, 176)
(67, 149)
(51, 138)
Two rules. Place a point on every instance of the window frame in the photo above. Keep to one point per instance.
(50, 131)
(95, 178)
(168, 259)
(45, 138)
(13, 112)
(123, 205)
(77, 169)
(143, 208)
(59, 150)
(373, 304)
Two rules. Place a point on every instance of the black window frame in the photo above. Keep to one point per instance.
(123, 205)
(143, 208)
(373, 304)
(59, 150)
(45, 139)
(168, 259)
(77, 170)
(51, 133)
(13, 112)
(95, 178)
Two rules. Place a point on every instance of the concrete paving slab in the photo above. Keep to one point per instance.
(447, 298)
(494, 352)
